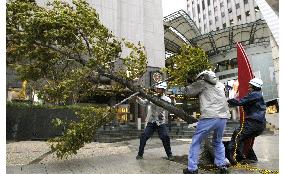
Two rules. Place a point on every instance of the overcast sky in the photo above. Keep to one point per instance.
(170, 6)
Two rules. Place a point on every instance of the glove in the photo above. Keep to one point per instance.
(232, 102)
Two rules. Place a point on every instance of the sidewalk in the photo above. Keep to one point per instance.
(119, 158)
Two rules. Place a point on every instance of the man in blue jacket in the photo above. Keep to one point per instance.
(255, 122)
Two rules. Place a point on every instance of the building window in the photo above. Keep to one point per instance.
(204, 16)
(231, 22)
(237, 5)
(209, 12)
(245, 1)
(203, 5)
(228, 1)
(204, 26)
(215, 8)
(208, 2)
(226, 65)
(227, 76)
(193, 13)
(256, 9)
(247, 13)
(216, 18)
(230, 10)
(222, 4)
(217, 28)
(198, 8)
(239, 18)
(224, 25)
(223, 14)
(199, 20)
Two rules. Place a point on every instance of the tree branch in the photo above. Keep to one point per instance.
(87, 43)
(78, 59)
(168, 106)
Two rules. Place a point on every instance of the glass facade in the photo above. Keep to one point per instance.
(226, 65)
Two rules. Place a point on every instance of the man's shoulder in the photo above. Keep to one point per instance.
(256, 94)
(220, 84)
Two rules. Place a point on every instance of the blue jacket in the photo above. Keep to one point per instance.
(253, 105)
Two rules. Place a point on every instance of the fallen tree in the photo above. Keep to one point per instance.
(63, 51)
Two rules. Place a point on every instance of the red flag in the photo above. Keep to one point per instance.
(245, 74)
(244, 71)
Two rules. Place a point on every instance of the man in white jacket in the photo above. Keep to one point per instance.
(214, 114)
(156, 117)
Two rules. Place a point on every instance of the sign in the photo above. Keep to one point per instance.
(123, 113)
(155, 77)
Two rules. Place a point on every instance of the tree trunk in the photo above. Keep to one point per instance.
(168, 106)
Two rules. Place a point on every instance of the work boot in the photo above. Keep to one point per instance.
(186, 171)
(232, 159)
(222, 170)
(171, 158)
(138, 157)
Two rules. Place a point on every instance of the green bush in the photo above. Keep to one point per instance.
(78, 133)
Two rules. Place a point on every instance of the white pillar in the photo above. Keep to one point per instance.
(139, 123)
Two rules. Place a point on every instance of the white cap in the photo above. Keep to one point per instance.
(256, 82)
(206, 72)
(162, 85)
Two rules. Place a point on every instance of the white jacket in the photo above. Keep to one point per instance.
(212, 99)
(155, 113)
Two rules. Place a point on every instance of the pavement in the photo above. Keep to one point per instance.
(26, 157)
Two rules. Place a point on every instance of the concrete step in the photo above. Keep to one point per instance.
(125, 132)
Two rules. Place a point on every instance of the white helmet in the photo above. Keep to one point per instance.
(162, 85)
(256, 82)
(206, 72)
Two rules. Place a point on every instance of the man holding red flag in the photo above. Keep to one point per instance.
(254, 124)
(249, 106)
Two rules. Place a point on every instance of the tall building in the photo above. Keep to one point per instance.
(220, 14)
(137, 21)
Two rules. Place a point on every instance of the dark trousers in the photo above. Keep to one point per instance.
(163, 135)
(250, 130)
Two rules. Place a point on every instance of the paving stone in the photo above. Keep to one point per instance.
(119, 158)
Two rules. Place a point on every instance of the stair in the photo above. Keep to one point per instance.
(117, 133)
